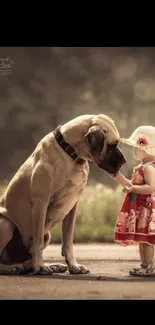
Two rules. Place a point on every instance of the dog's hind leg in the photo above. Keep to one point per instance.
(15, 258)
(7, 230)
(47, 239)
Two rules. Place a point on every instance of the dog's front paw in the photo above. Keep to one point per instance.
(42, 270)
(58, 267)
(78, 269)
(17, 269)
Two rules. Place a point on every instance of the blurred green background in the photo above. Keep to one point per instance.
(49, 86)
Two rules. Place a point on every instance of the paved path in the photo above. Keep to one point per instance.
(109, 279)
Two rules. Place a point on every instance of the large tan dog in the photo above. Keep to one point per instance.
(46, 190)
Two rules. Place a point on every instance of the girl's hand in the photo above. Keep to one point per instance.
(128, 188)
(121, 179)
(114, 176)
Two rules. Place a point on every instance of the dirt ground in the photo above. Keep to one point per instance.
(108, 278)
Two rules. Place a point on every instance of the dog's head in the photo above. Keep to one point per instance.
(102, 141)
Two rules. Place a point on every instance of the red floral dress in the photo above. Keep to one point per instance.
(136, 220)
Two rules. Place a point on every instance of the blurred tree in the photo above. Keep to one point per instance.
(50, 86)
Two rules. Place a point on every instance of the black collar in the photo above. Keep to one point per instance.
(66, 147)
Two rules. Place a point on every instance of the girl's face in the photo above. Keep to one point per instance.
(139, 154)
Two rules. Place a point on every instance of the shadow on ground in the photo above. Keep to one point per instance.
(89, 277)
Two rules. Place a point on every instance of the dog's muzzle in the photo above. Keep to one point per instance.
(112, 164)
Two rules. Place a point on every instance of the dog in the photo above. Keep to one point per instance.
(46, 190)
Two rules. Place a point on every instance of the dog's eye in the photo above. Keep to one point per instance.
(105, 131)
(111, 146)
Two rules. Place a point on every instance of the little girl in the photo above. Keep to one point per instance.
(136, 220)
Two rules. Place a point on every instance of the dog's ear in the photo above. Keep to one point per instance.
(95, 138)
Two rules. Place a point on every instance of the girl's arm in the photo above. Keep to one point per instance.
(149, 187)
(122, 179)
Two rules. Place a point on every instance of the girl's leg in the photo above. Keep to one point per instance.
(141, 252)
(142, 264)
(148, 251)
(146, 254)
